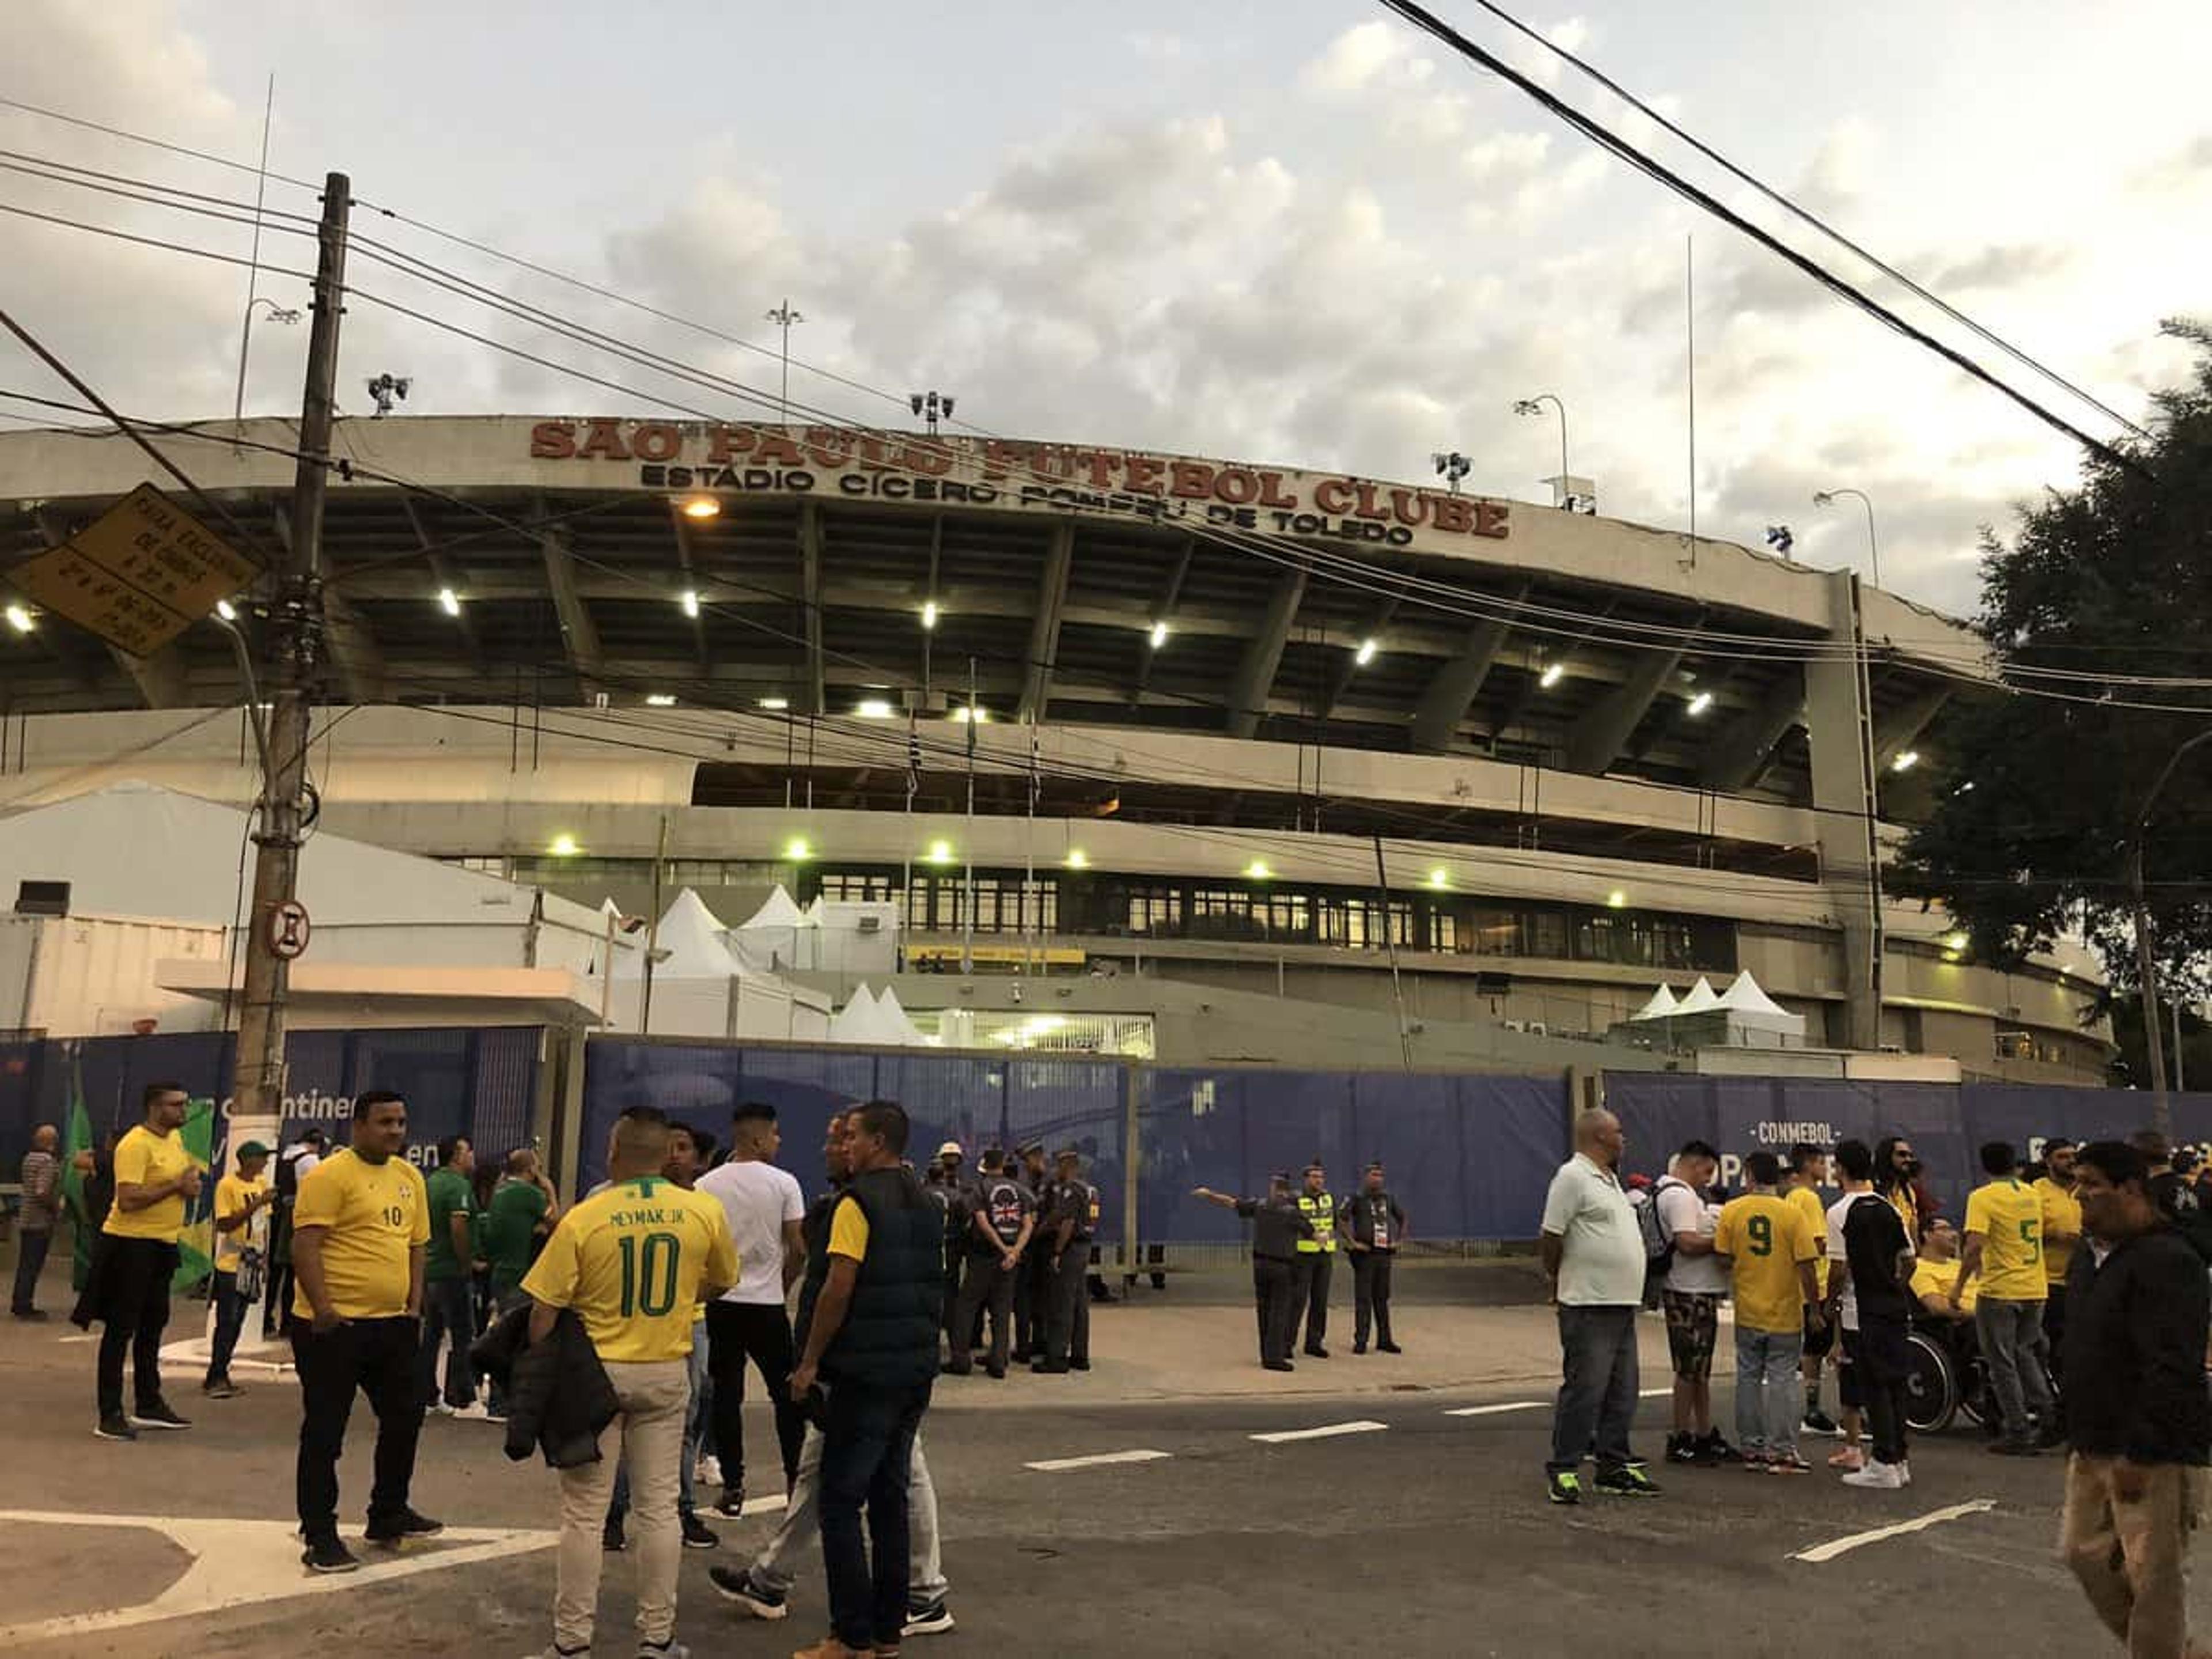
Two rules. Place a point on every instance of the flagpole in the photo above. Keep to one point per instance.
(968, 839)
(913, 783)
(1029, 855)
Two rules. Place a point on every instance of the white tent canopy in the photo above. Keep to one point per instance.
(688, 946)
(1700, 998)
(1662, 1004)
(1744, 996)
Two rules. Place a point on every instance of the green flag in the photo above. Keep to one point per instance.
(196, 1245)
(78, 1140)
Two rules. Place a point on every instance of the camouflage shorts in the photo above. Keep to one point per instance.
(1693, 1323)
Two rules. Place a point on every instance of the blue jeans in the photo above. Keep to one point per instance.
(868, 1455)
(229, 1321)
(2014, 1349)
(1769, 1395)
(448, 1311)
(1597, 1387)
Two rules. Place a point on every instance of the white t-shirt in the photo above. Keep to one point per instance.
(758, 1198)
(1848, 1304)
(1681, 1210)
(1602, 1259)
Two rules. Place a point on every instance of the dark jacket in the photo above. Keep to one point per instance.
(2134, 1351)
(558, 1396)
(889, 1339)
(814, 1229)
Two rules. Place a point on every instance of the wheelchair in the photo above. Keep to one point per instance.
(1945, 1376)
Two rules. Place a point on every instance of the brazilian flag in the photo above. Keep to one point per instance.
(196, 1245)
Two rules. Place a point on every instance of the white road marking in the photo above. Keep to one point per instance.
(1829, 1551)
(1655, 1393)
(1509, 1405)
(1054, 1465)
(237, 1563)
(775, 1504)
(1330, 1430)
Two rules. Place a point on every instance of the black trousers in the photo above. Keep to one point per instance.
(1032, 1300)
(134, 1310)
(276, 1301)
(1370, 1295)
(31, 1249)
(760, 1332)
(229, 1324)
(1067, 1314)
(955, 1266)
(1885, 1361)
(988, 1287)
(376, 1357)
(2054, 1337)
(1275, 1299)
(1314, 1268)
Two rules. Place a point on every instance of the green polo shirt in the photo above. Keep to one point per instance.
(451, 1194)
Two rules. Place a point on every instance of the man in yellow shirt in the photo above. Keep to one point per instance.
(155, 1182)
(2004, 1247)
(634, 1261)
(1808, 1173)
(241, 1199)
(1936, 1275)
(361, 1224)
(1770, 1251)
(2061, 1231)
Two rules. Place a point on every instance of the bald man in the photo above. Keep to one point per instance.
(35, 1224)
(1593, 1253)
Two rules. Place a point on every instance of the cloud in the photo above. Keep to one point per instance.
(1356, 59)
(2011, 265)
(2189, 165)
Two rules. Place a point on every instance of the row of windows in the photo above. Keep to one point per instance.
(936, 904)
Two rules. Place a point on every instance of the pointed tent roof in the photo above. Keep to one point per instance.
(856, 1021)
(690, 938)
(776, 911)
(1699, 999)
(892, 1018)
(1744, 996)
(1662, 1004)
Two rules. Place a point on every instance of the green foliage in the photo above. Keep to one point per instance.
(2038, 799)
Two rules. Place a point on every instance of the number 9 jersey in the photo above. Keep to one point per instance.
(634, 1260)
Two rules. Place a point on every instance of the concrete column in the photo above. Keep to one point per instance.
(1839, 724)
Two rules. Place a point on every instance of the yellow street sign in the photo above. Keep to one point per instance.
(138, 576)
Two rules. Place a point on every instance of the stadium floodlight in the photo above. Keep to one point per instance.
(20, 619)
(564, 846)
(1616, 900)
(1366, 654)
(939, 854)
(1440, 877)
(932, 407)
(702, 506)
(1701, 702)
(1451, 466)
(796, 850)
(690, 600)
(1258, 870)
(1552, 674)
(1159, 634)
(1905, 761)
(384, 390)
(1780, 539)
(1077, 859)
(449, 602)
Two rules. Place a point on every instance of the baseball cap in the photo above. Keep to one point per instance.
(949, 1148)
(253, 1149)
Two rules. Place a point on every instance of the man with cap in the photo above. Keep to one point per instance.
(1029, 1301)
(1278, 1226)
(1374, 1228)
(1317, 1259)
(241, 1202)
(1064, 1225)
(1004, 1219)
(957, 1194)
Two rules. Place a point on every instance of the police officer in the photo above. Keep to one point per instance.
(953, 1194)
(1375, 1228)
(1316, 1258)
(1005, 1216)
(1065, 1225)
(1278, 1226)
(1029, 1303)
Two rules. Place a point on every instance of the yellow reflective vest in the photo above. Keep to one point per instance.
(1322, 1212)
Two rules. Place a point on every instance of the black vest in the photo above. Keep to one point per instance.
(889, 1340)
(814, 1229)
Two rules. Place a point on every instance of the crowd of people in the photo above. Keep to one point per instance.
(2084, 1274)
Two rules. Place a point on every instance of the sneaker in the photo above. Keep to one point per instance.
(1085, 1364)
(29, 1313)
(1848, 1458)
(927, 1621)
(1629, 1480)
(697, 1534)
(328, 1555)
(612, 1539)
(1388, 1347)
(1316, 1352)
(736, 1584)
(1277, 1365)
(1682, 1449)
(1565, 1486)
(1877, 1477)
(1718, 1450)
(671, 1649)
(1787, 1463)
(1755, 1461)
(495, 1414)
(2009, 1447)
(732, 1503)
(708, 1471)
(159, 1415)
(220, 1387)
(406, 1524)
(1360, 1347)
(115, 1426)
(474, 1411)
(1818, 1422)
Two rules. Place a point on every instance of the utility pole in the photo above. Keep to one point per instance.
(294, 649)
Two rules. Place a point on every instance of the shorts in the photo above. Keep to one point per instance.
(1693, 1323)
(1820, 1343)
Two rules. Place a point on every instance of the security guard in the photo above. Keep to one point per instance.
(1317, 1259)
(1375, 1228)
(1029, 1303)
(1064, 1224)
(1004, 1217)
(1278, 1226)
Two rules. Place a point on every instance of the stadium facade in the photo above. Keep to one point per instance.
(1207, 727)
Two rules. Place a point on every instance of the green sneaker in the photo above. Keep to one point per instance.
(1566, 1486)
(1629, 1480)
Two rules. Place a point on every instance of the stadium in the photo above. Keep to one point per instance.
(1202, 758)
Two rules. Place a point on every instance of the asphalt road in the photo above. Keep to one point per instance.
(1430, 1535)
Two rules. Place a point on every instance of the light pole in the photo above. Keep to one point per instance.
(932, 407)
(1827, 498)
(2162, 1117)
(276, 314)
(783, 317)
(1535, 406)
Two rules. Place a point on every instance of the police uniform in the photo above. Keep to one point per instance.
(1028, 1297)
(1279, 1227)
(1316, 1260)
(1067, 1310)
(1006, 1207)
(1375, 1223)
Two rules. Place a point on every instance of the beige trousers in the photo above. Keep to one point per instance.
(650, 1434)
(2131, 1554)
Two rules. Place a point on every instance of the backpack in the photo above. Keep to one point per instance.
(1658, 1243)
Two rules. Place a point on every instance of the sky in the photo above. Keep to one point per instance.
(1294, 232)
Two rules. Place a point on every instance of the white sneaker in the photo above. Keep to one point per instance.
(709, 1471)
(475, 1412)
(1881, 1476)
(1905, 1471)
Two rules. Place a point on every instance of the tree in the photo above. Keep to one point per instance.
(2041, 793)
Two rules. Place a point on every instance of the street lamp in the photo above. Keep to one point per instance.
(278, 313)
(1827, 498)
(1535, 406)
(783, 317)
(931, 406)
(2146, 955)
